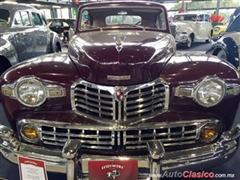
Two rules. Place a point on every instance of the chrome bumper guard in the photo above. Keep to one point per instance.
(75, 165)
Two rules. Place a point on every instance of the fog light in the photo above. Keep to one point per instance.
(30, 132)
(209, 132)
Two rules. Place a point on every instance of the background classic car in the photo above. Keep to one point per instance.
(191, 27)
(23, 34)
(121, 97)
(218, 31)
(228, 46)
(62, 27)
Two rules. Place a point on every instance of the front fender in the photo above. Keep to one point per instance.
(55, 69)
(51, 67)
(189, 66)
(8, 51)
(189, 30)
(229, 46)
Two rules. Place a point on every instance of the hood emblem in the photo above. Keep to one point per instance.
(119, 93)
(118, 40)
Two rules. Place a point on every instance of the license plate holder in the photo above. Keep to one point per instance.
(113, 169)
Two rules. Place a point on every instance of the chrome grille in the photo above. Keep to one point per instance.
(102, 102)
(97, 102)
(173, 135)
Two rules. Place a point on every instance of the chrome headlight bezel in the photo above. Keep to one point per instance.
(203, 84)
(30, 79)
(178, 28)
(34, 140)
(191, 91)
(50, 90)
(219, 128)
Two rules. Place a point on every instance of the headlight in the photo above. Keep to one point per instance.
(210, 92)
(30, 92)
(178, 28)
(216, 29)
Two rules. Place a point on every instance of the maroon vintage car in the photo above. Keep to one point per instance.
(122, 103)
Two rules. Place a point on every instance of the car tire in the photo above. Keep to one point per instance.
(208, 40)
(1, 70)
(222, 55)
(189, 42)
(56, 49)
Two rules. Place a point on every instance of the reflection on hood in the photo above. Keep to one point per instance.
(234, 24)
(140, 55)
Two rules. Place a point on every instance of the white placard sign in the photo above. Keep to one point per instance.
(31, 169)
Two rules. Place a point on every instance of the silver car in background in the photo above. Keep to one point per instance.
(189, 27)
(24, 34)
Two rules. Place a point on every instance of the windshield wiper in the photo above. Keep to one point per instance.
(134, 25)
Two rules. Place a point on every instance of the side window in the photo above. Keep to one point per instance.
(17, 19)
(56, 23)
(207, 19)
(65, 24)
(36, 18)
(200, 17)
(44, 20)
(25, 18)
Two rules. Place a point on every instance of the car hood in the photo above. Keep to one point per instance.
(121, 57)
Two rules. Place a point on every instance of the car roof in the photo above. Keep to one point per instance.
(188, 13)
(122, 3)
(13, 6)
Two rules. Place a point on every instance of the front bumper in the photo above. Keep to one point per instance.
(153, 163)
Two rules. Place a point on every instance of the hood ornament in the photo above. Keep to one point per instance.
(118, 40)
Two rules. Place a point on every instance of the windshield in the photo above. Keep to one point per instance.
(186, 17)
(4, 17)
(122, 17)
